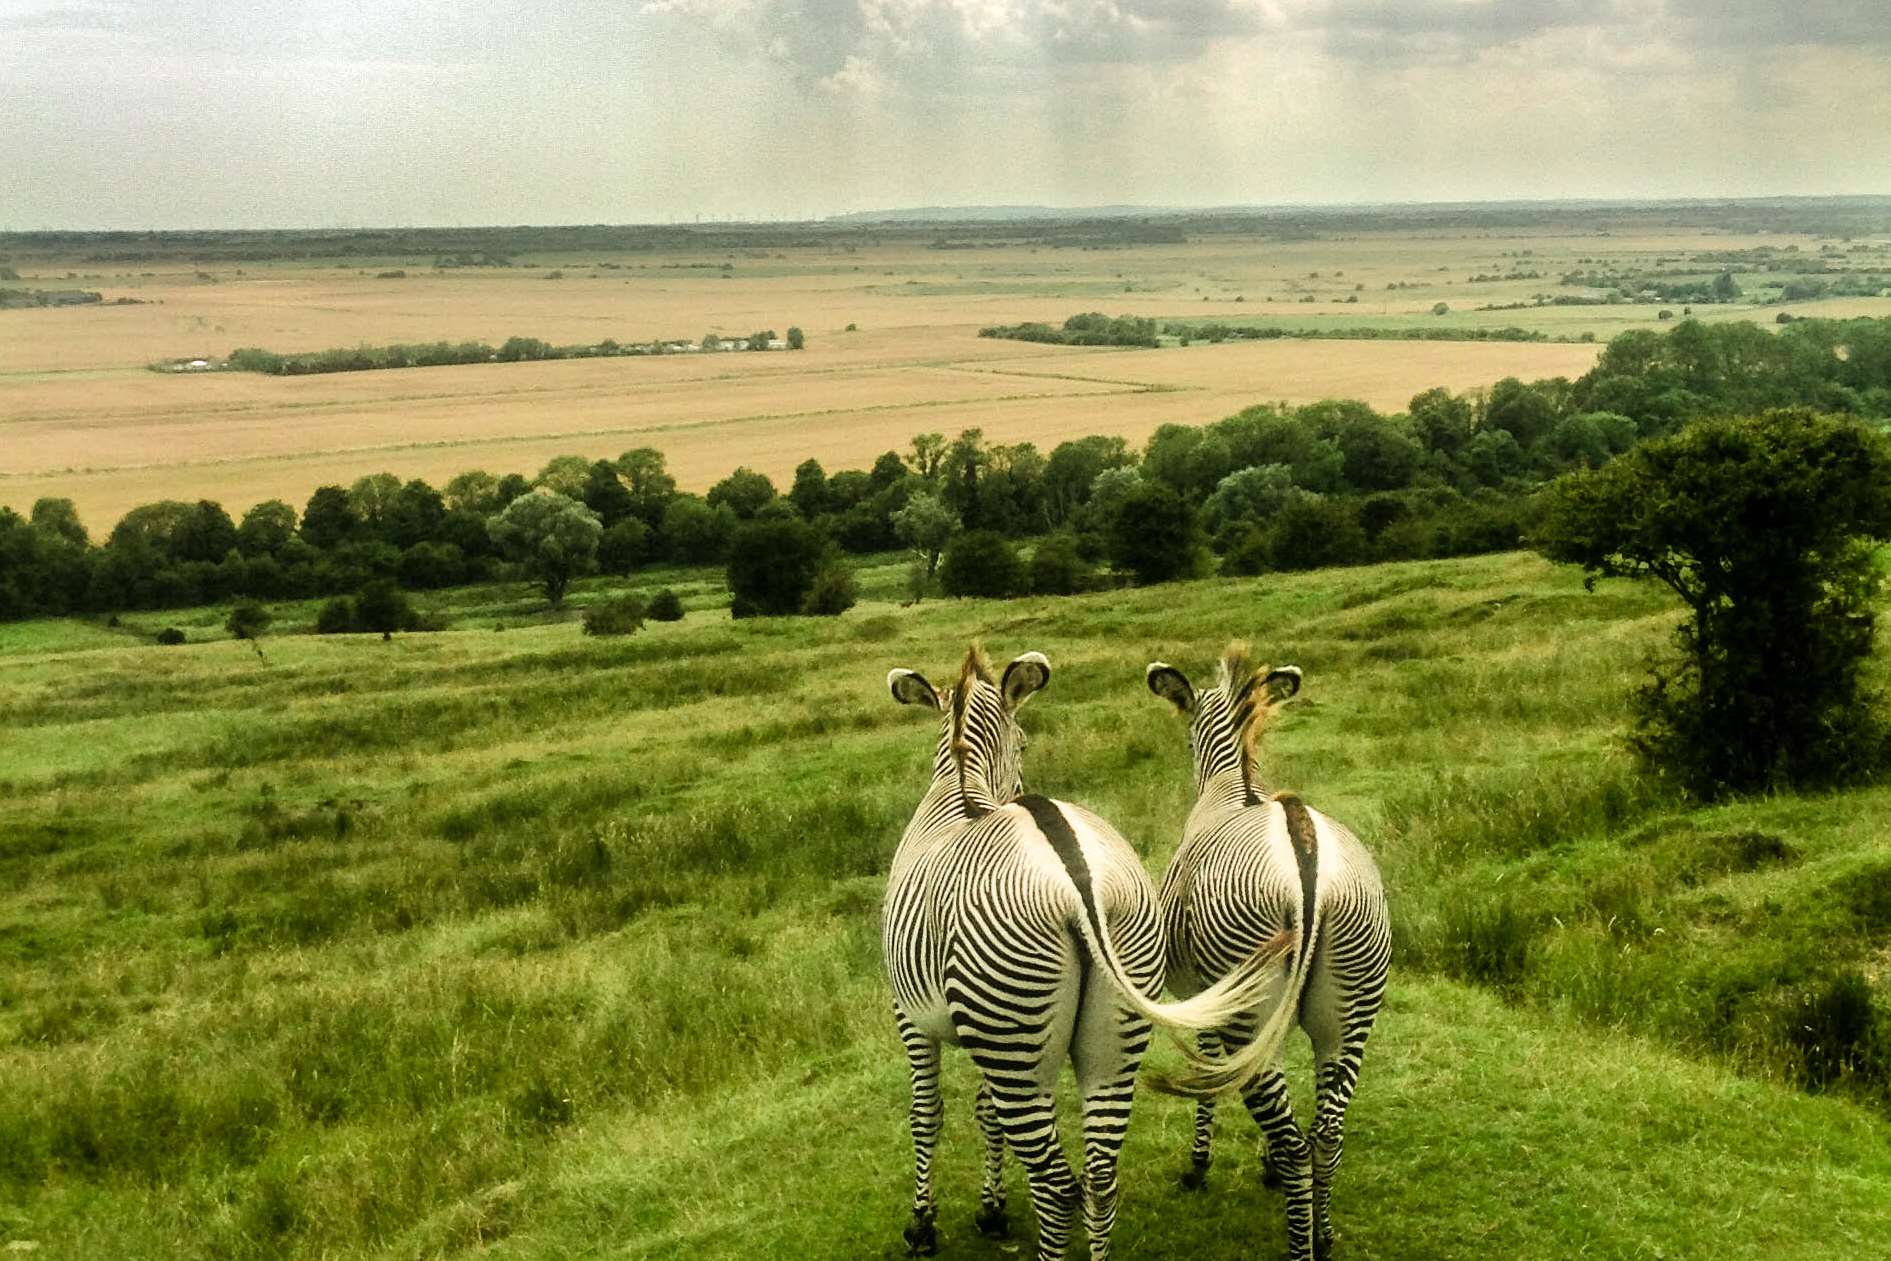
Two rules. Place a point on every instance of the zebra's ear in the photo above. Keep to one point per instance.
(909, 687)
(1024, 677)
(1282, 683)
(1171, 685)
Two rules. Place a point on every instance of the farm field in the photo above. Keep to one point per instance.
(81, 417)
(503, 941)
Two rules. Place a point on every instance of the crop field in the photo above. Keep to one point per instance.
(505, 942)
(82, 417)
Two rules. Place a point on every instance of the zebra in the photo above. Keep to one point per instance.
(1251, 863)
(1026, 931)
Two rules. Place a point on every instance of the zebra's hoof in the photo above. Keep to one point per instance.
(1322, 1245)
(1195, 1177)
(992, 1221)
(921, 1239)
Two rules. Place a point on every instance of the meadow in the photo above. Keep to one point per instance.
(504, 942)
(891, 323)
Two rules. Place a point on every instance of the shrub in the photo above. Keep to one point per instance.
(1313, 531)
(248, 621)
(832, 593)
(1834, 1029)
(1247, 557)
(170, 635)
(1057, 568)
(1154, 535)
(1761, 526)
(381, 606)
(981, 563)
(665, 606)
(337, 617)
(620, 616)
(772, 564)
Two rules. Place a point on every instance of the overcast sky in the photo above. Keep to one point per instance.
(213, 113)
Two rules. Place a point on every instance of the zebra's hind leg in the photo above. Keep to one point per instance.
(1338, 1077)
(922, 1054)
(1201, 1152)
(992, 1221)
(1289, 1157)
(1106, 1106)
(1029, 1120)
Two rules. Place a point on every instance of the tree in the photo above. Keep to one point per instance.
(981, 563)
(329, 519)
(266, 528)
(1057, 568)
(695, 533)
(566, 475)
(1442, 420)
(372, 499)
(772, 564)
(1153, 535)
(809, 492)
(1763, 527)
(795, 338)
(1725, 290)
(926, 525)
(964, 462)
(887, 471)
(623, 547)
(1247, 497)
(60, 519)
(473, 491)
(248, 621)
(205, 533)
(381, 606)
(928, 451)
(415, 515)
(1314, 531)
(743, 492)
(606, 494)
(553, 536)
(651, 486)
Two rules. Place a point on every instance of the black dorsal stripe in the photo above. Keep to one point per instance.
(1306, 852)
(1056, 829)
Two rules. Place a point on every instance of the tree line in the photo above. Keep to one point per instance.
(512, 350)
(1271, 487)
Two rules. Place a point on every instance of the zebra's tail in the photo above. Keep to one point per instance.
(1205, 1077)
(1239, 991)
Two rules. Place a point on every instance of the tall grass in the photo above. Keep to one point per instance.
(331, 957)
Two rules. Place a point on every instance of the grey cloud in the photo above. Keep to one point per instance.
(1771, 24)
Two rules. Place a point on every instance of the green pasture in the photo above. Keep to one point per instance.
(502, 940)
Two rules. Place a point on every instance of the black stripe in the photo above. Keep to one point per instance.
(1306, 852)
(1056, 829)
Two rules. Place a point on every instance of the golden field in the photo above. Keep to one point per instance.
(82, 417)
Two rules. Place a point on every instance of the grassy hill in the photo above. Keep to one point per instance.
(546, 946)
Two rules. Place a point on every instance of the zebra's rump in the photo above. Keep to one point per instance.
(994, 900)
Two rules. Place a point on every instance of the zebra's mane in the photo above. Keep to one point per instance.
(1249, 706)
(975, 670)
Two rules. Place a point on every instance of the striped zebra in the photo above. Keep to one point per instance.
(1026, 931)
(1253, 862)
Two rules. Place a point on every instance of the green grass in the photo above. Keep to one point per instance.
(522, 941)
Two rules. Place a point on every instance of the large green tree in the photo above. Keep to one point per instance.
(553, 536)
(1764, 527)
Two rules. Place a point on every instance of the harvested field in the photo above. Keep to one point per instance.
(110, 444)
(80, 416)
